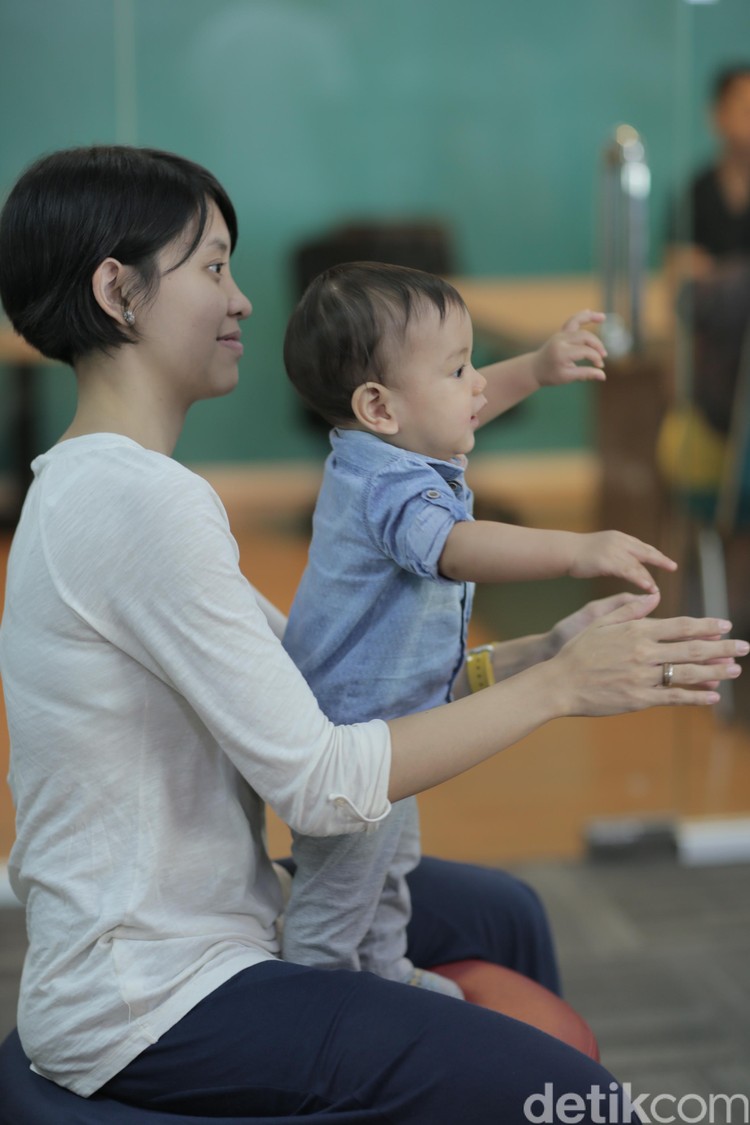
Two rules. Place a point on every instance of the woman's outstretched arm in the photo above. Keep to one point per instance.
(613, 666)
(514, 655)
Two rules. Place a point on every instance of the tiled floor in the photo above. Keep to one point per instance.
(656, 956)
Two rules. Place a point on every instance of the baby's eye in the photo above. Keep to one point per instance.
(217, 267)
(459, 372)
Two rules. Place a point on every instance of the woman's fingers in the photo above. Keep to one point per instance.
(695, 675)
(685, 628)
(699, 651)
(626, 661)
(602, 606)
(674, 697)
(639, 605)
(576, 622)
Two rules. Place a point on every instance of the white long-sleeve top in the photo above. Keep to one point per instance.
(152, 711)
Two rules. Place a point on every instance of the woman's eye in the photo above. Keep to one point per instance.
(217, 267)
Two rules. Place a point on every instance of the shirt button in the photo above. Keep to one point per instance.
(339, 802)
(454, 485)
(432, 494)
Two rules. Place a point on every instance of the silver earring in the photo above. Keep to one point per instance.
(129, 317)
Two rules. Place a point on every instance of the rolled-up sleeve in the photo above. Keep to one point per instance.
(410, 510)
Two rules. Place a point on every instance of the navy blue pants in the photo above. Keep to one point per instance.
(279, 1041)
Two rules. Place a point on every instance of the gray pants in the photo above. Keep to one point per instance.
(350, 903)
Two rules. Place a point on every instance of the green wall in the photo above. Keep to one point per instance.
(489, 114)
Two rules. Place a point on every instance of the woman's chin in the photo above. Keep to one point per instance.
(224, 385)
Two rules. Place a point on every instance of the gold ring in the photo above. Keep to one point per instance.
(667, 675)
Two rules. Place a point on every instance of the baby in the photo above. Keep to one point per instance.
(379, 622)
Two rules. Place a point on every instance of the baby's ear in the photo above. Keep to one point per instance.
(372, 407)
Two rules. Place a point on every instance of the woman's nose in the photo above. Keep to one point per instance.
(240, 306)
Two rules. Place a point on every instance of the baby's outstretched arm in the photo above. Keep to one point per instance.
(570, 355)
(484, 551)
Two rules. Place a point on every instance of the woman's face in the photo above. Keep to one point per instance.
(190, 333)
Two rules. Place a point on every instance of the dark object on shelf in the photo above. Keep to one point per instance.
(422, 245)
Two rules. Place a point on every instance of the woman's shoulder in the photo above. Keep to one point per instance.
(98, 463)
(113, 506)
(103, 481)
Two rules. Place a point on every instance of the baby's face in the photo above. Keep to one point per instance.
(435, 393)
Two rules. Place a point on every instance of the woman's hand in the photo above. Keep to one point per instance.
(575, 623)
(617, 663)
(612, 665)
(513, 656)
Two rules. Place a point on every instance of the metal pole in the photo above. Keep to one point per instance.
(624, 239)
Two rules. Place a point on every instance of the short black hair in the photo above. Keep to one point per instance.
(726, 78)
(72, 209)
(335, 338)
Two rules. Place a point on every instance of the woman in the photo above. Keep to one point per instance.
(153, 711)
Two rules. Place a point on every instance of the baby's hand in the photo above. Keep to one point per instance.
(558, 361)
(618, 555)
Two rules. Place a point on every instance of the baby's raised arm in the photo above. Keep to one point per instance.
(484, 551)
(572, 354)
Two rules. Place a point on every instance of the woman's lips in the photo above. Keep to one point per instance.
(233, 342)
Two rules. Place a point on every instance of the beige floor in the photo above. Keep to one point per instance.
(536, 799)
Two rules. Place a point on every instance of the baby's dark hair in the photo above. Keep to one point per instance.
(726, 78)
(337, 335)
(72, 209)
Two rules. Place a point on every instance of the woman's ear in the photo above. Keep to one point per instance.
(109, 284)
(372, 406)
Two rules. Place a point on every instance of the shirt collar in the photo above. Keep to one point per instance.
(361, 448)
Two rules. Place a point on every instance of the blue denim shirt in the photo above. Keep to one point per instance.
(375, 629)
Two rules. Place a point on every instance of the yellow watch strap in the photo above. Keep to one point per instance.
(479, 671)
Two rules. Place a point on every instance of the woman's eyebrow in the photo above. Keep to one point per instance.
(219, 244)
